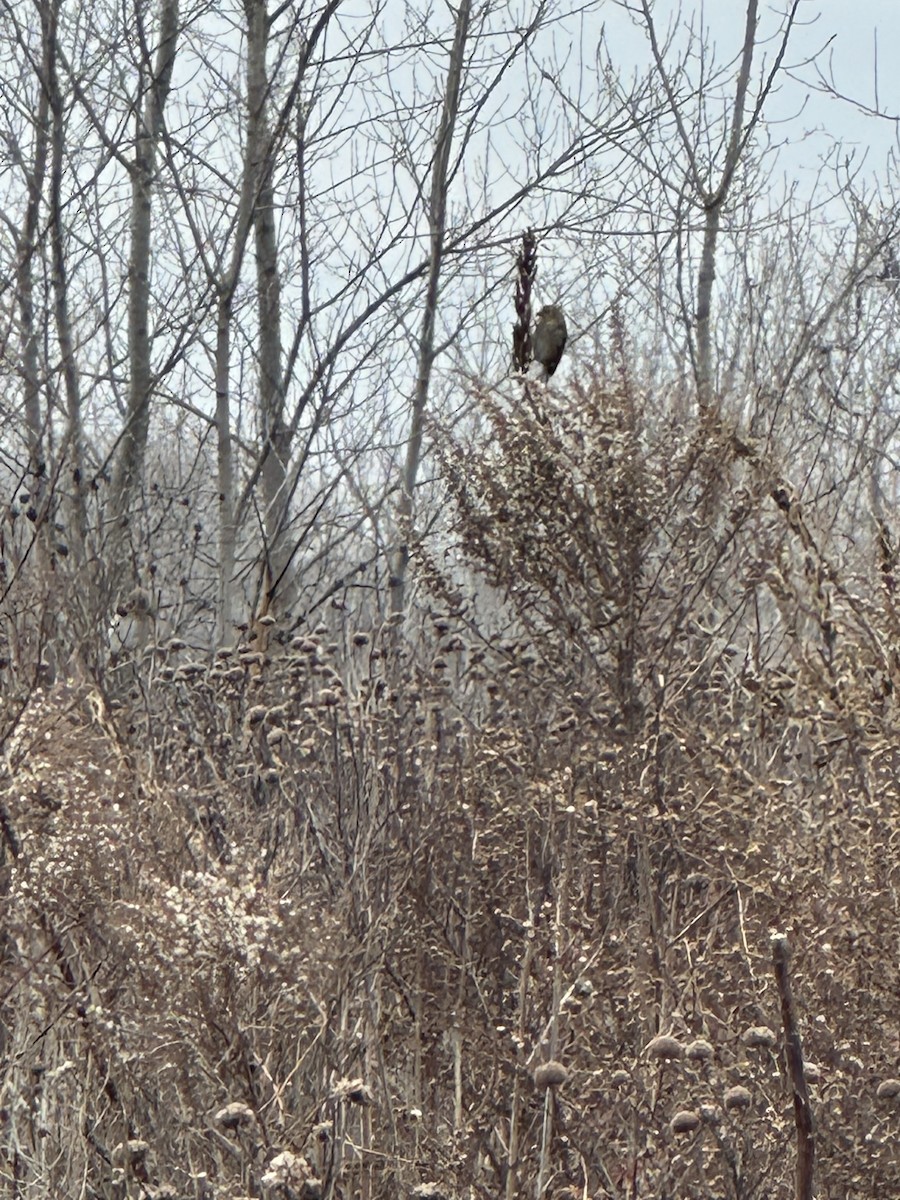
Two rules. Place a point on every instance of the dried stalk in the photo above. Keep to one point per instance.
(794, 1055)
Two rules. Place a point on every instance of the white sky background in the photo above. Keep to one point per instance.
(856, 42)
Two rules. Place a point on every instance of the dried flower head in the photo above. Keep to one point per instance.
(130, 1153)
(685, 1121)
(428, 1191)
(287, 1170)
(550, 1074)
(759, 1035)
(737, 1097)
(699, 1050)
(353, 1091)
(665, 1047)
(234, 1115)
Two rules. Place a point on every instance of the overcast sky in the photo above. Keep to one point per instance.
(857, 42)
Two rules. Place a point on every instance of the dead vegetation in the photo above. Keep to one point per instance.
(484, 904)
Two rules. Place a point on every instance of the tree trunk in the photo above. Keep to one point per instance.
(793, 1051)
(77, 523)
(437, 220)
(129, 466)
(711, 199)
(275, 436)
(26, 252)
(225, 466)
(705, 280)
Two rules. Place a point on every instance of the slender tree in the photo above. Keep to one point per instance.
(437, 230)
(150, 115)
(711, 195)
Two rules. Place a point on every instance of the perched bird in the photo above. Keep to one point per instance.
(549, 338)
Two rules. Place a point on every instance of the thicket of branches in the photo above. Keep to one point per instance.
(408, 766)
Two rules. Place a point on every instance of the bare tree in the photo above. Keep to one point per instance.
(437, 220)
(153, 93)
(28, 257)
(708, 184)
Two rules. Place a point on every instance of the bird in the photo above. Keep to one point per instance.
(549, 338)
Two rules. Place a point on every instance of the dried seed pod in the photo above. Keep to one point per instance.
(287, 1170)
(685, 1121)
(428, 1191)
(352, 1090)
(550, 1074)
(699, 1050)
(234, 1115)
(737, 1097)
(130, 1153)
(322, 1132)
(665, 1047)
(759, 1035)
